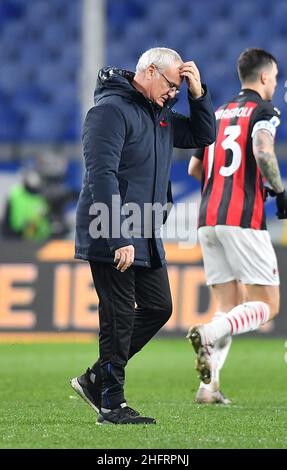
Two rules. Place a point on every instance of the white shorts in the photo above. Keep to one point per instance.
(236, 253)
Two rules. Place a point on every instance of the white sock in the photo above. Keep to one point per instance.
(108, 410)
(220, 352)
(221, 347)
(241, 319)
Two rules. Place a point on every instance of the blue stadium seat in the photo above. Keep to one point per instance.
(279, 14)
(182, 36)
(40, 56)
(259, 34)
(246, 10)
(70, 56)
(11, 77)
(54, 34)
(137, 38)
(32, 53)
(9, 52)
(52, 75)
(14, 32)
(66, 98)
(278, 49)
(280, 96)
(10, 10)
(73, 126)
(117, 55)
(121, 12)
(219, 32)
(234, 49)
(44, 125)
(29, 97)
(159, 16)
(40, 14)
(10, 124)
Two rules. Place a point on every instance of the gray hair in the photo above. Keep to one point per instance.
(161, 57)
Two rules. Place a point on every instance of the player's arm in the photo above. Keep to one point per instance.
(195, 168)
(263, 149)
(264, 153)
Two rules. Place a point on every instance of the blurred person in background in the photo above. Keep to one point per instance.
(128, 140)
(27, 214)
(58, 194)
(239, 259)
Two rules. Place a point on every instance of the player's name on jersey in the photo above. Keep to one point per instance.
(239, 111)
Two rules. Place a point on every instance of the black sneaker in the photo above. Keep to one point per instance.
(89, 391)
(124, 415)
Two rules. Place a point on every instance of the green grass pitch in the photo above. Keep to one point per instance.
(40, 410)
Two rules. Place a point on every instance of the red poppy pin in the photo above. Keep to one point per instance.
(163, 123)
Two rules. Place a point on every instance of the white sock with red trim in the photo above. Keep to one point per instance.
(241, 319)
(220, 352)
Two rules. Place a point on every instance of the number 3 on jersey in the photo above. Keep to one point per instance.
(232, 133)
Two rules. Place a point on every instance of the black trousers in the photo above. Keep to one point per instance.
(124, 327)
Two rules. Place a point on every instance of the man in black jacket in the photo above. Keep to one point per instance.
(128, 139)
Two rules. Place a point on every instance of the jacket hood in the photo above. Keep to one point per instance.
(114, 81)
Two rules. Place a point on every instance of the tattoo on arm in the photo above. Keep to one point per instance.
(263, 149)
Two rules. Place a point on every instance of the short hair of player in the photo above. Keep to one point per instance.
(251, 63)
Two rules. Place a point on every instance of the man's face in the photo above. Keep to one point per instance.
(164, 85)
(271, 81)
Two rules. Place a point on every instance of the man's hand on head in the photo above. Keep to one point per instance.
(192, 76)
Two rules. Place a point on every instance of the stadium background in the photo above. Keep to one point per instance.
(50, 53)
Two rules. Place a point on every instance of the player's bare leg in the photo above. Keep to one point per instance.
(267, 294)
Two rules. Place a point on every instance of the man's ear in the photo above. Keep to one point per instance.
(150, 71)
(264, 77)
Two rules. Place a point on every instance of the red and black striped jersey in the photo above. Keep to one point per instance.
(232, 186)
